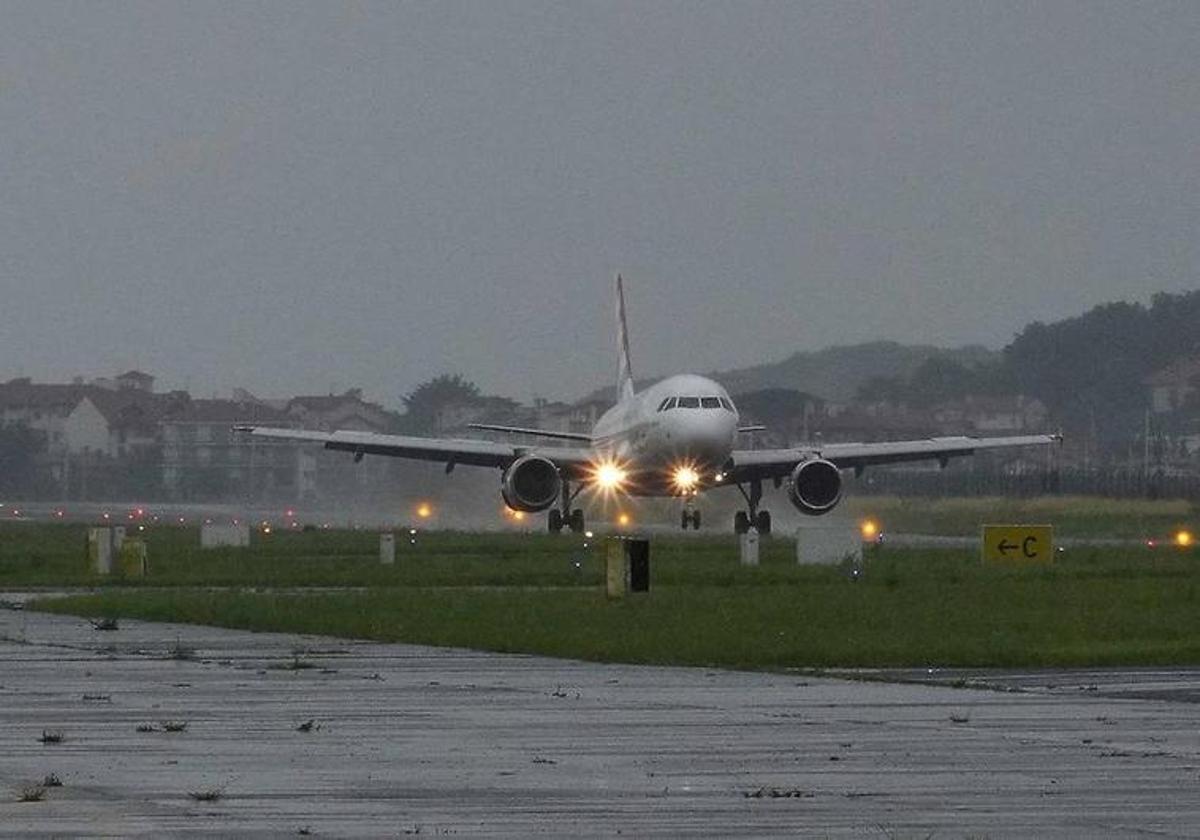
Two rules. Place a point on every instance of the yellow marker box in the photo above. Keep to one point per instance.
(1017, 545)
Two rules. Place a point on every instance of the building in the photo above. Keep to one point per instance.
(1172, 387)
(347, 411)
(115, 424)
(870, 424)
(43, 408)
(1002, 414)
(204, 459)
(133, 380)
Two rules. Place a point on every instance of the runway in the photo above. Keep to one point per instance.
(409, 740)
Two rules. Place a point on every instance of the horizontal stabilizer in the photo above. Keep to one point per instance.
(744, 429)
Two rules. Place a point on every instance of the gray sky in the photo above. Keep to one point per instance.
(294, 196)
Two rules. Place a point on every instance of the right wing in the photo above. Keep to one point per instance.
(478, 453)
(520, 430)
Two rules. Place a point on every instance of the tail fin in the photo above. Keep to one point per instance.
(624, 371)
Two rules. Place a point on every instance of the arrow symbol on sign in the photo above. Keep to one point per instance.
(1005, 547)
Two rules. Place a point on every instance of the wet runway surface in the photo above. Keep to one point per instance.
(407, 740)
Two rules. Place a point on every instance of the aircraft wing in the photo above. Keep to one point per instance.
(751, 464)
(480, 453)
(521, 430)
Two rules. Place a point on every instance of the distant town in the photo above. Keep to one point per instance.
(114, 438)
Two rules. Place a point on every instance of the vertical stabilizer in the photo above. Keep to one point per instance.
(624, 371)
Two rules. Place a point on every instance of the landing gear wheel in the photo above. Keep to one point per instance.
(684, 519)
(741, 522)
(576, 522)
(555, 521)
(764, 522)
(695, 520)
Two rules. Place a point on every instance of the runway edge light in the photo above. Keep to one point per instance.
(869, 529)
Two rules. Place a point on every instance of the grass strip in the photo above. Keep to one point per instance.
(984, 617)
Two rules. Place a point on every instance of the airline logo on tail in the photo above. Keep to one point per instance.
(624, 371)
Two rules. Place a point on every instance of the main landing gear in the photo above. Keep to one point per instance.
(689, 515)
(564, 516)
(760, 519)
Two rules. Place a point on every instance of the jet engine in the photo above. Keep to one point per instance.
(531, 483)
(815, 486)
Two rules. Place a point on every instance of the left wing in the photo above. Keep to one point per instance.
(751, 464)
(480, 453)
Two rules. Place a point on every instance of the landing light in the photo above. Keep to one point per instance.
(609, 476)
(1184, 539)
(685, 478)
(869, 529)
(424, 510)
(623, 520)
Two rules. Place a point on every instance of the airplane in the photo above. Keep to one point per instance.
(678, 438)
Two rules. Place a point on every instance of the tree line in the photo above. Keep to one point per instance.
(1090, 371)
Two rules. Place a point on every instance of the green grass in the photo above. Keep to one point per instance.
(40, 555)
(1096, 607)
(52, 554)
(542, 594)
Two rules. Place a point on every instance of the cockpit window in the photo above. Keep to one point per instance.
(726, 404)
(710, 402)
(671, 401)
(689, 402)
(662, 406)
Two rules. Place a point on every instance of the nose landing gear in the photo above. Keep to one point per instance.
(689, 515)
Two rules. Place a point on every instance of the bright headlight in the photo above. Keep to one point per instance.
(609, 476)
(685, 478)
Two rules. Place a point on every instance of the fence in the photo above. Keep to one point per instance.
(963, 480)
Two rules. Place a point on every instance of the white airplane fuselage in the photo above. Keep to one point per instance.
(651, 442)
(676, 438)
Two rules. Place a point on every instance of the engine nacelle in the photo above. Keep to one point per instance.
(531, 483)
(815, 486)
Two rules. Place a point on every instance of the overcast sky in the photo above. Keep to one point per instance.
(293, 197)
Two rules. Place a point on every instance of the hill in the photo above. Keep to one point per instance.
(835, 373)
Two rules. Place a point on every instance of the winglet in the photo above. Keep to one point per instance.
(624, 371)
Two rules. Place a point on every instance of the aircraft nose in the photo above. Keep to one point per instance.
(709, 440)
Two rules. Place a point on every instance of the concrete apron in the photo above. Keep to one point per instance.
(408, 739)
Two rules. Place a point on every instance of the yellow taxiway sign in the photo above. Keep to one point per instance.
(1018, 544)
